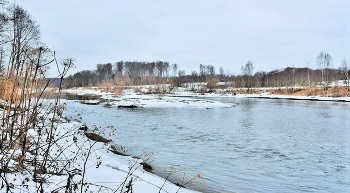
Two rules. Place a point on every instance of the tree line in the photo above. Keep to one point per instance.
(126, 73)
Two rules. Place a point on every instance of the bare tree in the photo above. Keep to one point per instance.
(182, 74)
(345, 71)
(3, 18)
(165, 69)
(260, 78)
(174, 67)
(104, 71)
(221, 71)
(202, 73)
(22, 32)
(210, 70)
(324, 61)
(120, 67)
(308, 77)
(24, 87)
(2, 61)
(159, 68)
(328, 63)
(194, 75)
(247, 71)
(320, 63)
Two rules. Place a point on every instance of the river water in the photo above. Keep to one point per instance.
(258, 145)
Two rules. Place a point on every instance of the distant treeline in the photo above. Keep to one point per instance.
(126, 73)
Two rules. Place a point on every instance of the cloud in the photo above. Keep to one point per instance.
(272, 34)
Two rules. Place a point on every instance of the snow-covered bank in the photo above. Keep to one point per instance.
(184, 98)
(291, 97)
(168, 101)
(129, 97)
(77, 163)
(104, 171)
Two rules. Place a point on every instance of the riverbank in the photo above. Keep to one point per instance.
(76, 163)
(182, 97)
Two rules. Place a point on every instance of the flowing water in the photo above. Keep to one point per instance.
(258, 145)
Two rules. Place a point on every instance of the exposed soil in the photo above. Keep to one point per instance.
(98, 138)
(116, 151)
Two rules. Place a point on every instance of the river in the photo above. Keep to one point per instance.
(257, 145)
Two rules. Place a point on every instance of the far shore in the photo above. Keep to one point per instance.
(140, 92)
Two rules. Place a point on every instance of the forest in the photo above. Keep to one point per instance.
(127, 73)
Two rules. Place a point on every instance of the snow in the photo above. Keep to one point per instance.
(183, 98)
(90, 102)
(78, 160)
(93, 164)
(176, 100)
(167, 102)
(289, 97)
(105, 171)
(83, 91)
(93, 167)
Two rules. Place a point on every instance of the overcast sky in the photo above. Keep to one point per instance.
(273, 34)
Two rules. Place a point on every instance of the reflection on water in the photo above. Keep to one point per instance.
(256, 146)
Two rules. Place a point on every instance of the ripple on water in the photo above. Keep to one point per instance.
(258, 146)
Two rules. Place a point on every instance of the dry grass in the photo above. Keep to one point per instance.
(335, 91)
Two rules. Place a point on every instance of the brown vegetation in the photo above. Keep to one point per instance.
(335, 91)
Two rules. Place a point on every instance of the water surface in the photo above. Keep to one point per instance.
(259, 145)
